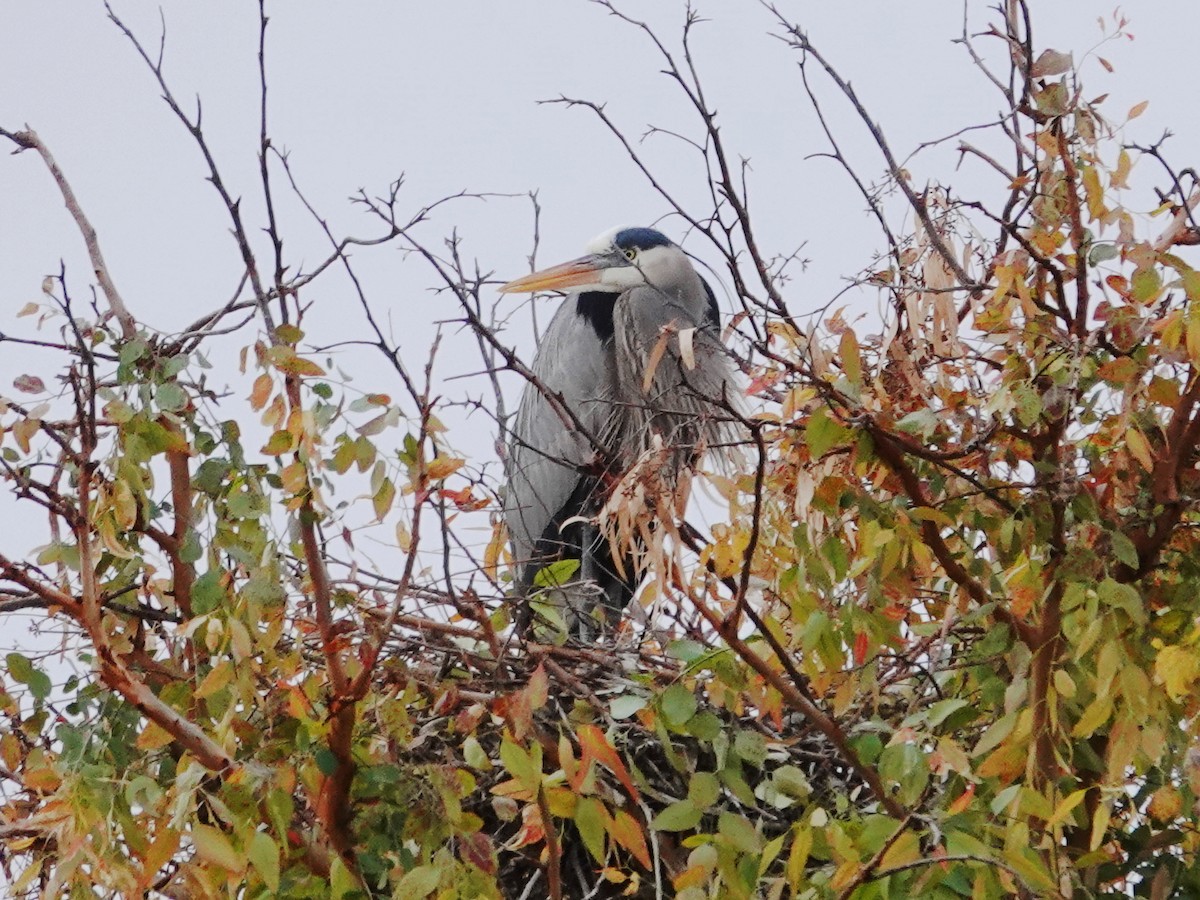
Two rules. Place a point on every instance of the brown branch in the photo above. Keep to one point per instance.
(47, 593)
(28, 140)
(800, 41)
(1180, 229)
(183, 574)
(1075, 214)
(193, 126)
(553, 851)
(866, 873)
(893, 458)
(115, 673)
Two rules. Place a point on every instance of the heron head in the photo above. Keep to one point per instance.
(617, 260)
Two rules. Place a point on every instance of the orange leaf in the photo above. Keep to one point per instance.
(626, 831)
(963, 801)
(261, 391)
(532, 830)
(596, 747)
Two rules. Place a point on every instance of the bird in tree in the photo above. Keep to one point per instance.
(629, 372)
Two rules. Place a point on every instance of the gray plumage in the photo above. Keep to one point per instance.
(639, 304)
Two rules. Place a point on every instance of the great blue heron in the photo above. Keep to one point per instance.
(631, 362)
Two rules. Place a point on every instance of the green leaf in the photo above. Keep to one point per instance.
(341, 882)
(678, 704)
(264, 856)
(289, 334)
(522, 765)
(822, 433)
(1146, 284)
(207, 592)
(1124, 550)
(384, 497)
(906, 766)
(704, 789)
(170, 397)
(943, 709)
(921, 422)
(589, 819)
(626, 705)
(474, 755)
(1123, 596)
(19, 667)
(739, 832)
(556, 574)
(131, 352)
(190, 551)
(23, 671)
(326, 761)
(417, 884)
(751, 747)
(683, 815)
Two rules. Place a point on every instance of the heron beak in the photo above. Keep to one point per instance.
(576, 273)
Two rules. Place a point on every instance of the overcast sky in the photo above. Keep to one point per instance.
(448, 94)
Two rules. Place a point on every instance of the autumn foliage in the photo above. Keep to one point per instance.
(941, 640)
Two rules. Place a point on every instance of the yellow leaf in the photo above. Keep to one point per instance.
(851, 361)
(798, 855)
(495, 547)
(1120, 178)
(1177, 668)
(294, 477)
(1139, 448)
(153, 738)
(1100, 825)
(626, 831)
(1138, 109)
(404, 542)
(1006, 762)
(220, 676)
(212, 845)
(1166, 804)
(1093, 191)
(906, 849)
(1064, 808)
(444, 467)
(1093, 717)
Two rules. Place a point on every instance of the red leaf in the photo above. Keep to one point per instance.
(518, 707)
(29, 384)
(860, 648)
(477, 850)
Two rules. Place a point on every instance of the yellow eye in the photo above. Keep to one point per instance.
(631, 254)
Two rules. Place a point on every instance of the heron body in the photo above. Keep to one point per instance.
(630, 363)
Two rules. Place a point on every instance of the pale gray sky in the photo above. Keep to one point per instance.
(448, 93)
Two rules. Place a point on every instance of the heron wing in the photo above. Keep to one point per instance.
(547, 457)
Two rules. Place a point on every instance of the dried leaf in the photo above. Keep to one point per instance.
(1049, 63)
(29, 384)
